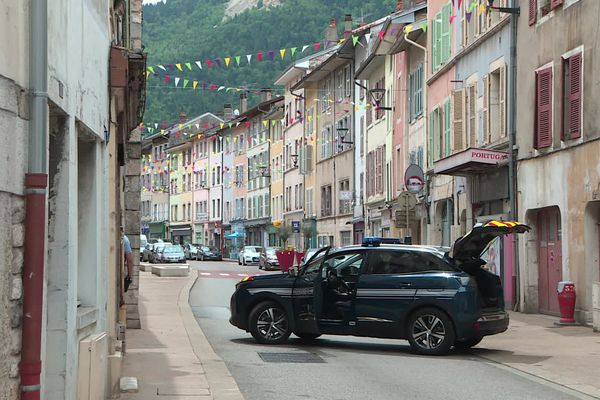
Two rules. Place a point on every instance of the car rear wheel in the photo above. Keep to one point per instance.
(269, 323)
(430, 332)
(461, 345)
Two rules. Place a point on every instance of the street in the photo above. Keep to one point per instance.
(336, 367)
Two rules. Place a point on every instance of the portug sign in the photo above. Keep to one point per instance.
(414, 179)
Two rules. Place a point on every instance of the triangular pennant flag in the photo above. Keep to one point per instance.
(249, 57)
(265, 122)
(459, 2)
(195, 84)
(304, 48)
(282, 53)
(481, 8)
(317, 46)
(271, 55)
(189, 66)
(167, 79)
(473, 6)
(408, 28)
(162, 131)
(468, 15)
(230, 125)
(179, 67)
(355, 39)
(424, 26)
(177, 81)
(220, 88)
(309, 118)
(197, 126)
(180, 126)
(218, 61)
(452, 17)
(227, 61)
(237, 60)
(213, 87)
(381, 34)
(156, 125)
(247, 123)
(293, 51)
(199, 64)
(368, 37)
(162, 67)
(151, 69)
(222, 125)
(228, 89)
(259, 56)
(237, 124)
(282, 121)
(147, 74)
(209, 63)
(185, 82)
(273, 122)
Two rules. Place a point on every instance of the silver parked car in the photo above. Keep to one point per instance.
(173, 253)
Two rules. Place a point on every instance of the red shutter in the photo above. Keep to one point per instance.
(532, 12)
(543, 126)
(556, 3)
(574, 106)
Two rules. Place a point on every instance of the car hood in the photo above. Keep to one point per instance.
(269, 277)
(473, 244)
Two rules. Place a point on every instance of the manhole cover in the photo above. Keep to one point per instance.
(291, 358)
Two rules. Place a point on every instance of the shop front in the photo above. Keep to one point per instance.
(157, 230)
(256, 232)
(181, 234)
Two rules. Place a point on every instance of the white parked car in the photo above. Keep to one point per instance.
(249, 255)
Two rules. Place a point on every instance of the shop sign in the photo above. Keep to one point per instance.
(295, 226)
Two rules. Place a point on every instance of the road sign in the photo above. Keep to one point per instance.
(295, 226)
(414, 179)
(407, 200)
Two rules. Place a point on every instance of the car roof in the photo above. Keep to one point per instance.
(397, 247)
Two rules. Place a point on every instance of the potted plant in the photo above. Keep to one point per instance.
(285, 257)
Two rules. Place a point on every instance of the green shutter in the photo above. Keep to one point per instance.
(434, 46)
(431, 148)
(445, 34)
(447, 121)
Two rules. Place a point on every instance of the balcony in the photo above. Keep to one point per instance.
(201, 217)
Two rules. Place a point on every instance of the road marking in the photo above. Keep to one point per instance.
(242, 275)
(205, 273)
(224, 274)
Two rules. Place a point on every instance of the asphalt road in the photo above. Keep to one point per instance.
(347, 368)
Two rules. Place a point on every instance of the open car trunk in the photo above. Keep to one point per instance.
(468, 250)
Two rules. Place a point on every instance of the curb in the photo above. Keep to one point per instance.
(221, 383)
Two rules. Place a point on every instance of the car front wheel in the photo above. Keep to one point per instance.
(269, 323)
(430, 332)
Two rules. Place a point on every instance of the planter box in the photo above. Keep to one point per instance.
(286, 259)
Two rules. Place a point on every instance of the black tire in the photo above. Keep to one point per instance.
(462, 345)
(266, 316)
(430, 332)
(239, 262)
(308, 337)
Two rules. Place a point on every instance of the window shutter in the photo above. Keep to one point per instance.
(574, 105)
(556, 3)
(434, 45)
(457, 120)
(486, 109)
(431, 149)
(532, 12)
(502, 101)
(445, 34)
(447, 128)
(368, 169)
(544, 108)
(471, 112)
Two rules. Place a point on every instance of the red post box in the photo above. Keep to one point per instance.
(566, 302)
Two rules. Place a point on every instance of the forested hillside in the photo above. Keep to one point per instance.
(181, 31)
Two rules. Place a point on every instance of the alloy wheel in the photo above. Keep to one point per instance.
(428, 332)
(272, 324)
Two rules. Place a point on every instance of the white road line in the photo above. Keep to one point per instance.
(205, 273)
(222, 274)
(242, 275)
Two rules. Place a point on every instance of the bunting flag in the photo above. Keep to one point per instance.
(227, 61)
(179, 67)
(188, 65)
(272, 55)
(473, 6)
(468, 15)
(355, 40)
(282, 53)
(177, 81)
(459, 2)
(481, 8)
(424, 26)
(209, 63)
(151, 69)
(195, 84)
(259, 56)
(451, 19)
(265, 122)
(167, 79)
(162, 67)
(218, 61)
(249, 57)
(237, 60)
(220, 88)
(199, 64)
(304, 48)
(317, 46)
(381, 34)
(185, 82)
(213, 86)
(293, 51)
(408, 28)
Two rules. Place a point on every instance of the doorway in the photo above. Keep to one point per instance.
(549, 259)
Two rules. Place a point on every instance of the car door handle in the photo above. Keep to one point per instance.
(405, 284)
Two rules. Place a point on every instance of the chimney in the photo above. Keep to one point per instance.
(266, 95)
(227, 112)
(348, 26)
(400, 5)
(243, 102)
(331, 36)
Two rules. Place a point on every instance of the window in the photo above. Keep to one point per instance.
(415, 87)
(447, 125)
(309, 202)
(213, 208)
(346, 238)
(218, 208)
(362, 135)
(326, 201)
(259, 209)
(494, 105)
(340, 85)
(267, 204)
(189, 212)
(343, 135)
(457, 119)
(379, 113)
(471, 116)
(406, 262)
(440, 38)
(543, 109)
(326, 142)
(219, 175)
(572, 84)
(345, 197)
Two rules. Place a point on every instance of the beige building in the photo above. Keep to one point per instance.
(559, 154)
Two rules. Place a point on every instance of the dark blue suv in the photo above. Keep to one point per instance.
(435, 297)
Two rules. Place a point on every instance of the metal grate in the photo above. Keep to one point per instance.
(291, 358)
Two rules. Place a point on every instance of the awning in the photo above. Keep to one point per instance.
(234, 235)
(469, 162)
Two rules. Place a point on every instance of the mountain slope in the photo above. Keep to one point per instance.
(190, 30)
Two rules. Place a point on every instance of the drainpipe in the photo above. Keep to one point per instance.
(36, 188)
(512, 182)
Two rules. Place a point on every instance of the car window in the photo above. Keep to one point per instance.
(405, 262)
(173, 249)
(347, 264)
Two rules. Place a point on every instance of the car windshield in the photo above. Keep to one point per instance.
(252, 249)
(173, 249)
(271, 251)
(213, 249)
(205, 248)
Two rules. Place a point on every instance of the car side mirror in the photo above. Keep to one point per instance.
(293, 271)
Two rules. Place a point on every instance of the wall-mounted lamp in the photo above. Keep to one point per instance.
(377, 95)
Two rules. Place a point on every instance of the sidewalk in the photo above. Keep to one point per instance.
(170, 355)
(568, 355)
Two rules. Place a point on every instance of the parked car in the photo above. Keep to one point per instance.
(249, 254)
(434, 298)
(157, 250)
(143, 243)
(308, 254)
(173, 253)
(268, 258)
(209, 253)
(191, 251)
(147, 253)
